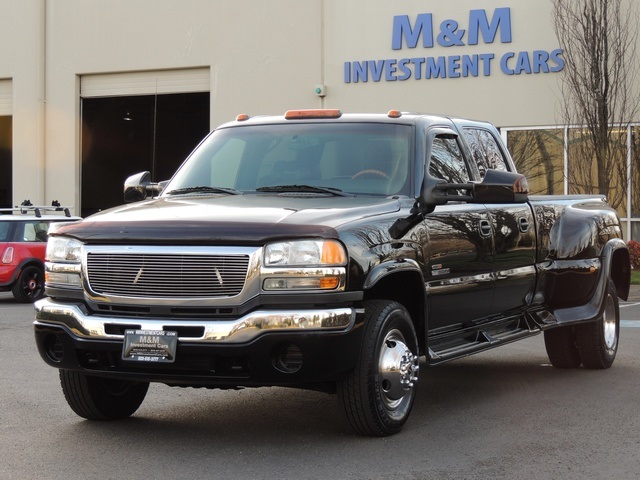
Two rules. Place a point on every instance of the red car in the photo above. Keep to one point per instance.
(23, 242)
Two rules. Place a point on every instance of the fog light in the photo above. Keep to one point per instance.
(53, 348)
(287, 358)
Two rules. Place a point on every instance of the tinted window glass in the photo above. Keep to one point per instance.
(485, 151)
(4, 231)
(447, 162)
(360, 158)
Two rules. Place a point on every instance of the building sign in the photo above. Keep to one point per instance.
(481, 28)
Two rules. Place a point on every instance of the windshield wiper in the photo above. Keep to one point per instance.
(304, 188)
(204, 189)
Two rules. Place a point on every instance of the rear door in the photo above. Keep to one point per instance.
(512, 224)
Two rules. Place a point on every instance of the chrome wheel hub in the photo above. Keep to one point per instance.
(398, 370)
(609, 325)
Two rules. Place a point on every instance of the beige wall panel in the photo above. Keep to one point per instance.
(355, 32)
(6, 97)
(263, 57)
(21, 60)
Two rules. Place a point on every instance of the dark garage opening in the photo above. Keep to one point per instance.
(6, 161)
(126, 135)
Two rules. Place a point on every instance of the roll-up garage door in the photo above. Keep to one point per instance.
(5, 97)
(145, 83)
(138, 121)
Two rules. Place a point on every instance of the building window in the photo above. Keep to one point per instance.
(634, 193)
(586, 176)
(539, 155)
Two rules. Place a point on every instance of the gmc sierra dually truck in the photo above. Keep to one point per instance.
(327, 251)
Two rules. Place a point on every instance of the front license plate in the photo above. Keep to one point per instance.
(155, 346)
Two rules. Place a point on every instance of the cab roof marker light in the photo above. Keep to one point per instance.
(394, 114)
(318, 113)
(242, 117)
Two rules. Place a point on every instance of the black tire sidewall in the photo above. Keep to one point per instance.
(392, 316)
(591, 337)
(96, 398)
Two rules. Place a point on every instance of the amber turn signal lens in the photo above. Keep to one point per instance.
(329, 283)
(320, 113)
(333, 253)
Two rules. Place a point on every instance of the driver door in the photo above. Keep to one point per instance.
(459, 270)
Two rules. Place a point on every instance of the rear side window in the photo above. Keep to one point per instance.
(35, 231)
(485, 151)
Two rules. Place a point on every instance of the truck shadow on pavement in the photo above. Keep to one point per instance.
(447, 394)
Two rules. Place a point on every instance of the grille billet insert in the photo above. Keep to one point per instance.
(166, 275)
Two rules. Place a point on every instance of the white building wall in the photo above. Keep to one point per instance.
(21, 62)
(363, 31)
(263, 58)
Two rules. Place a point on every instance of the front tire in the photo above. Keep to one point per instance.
(598, 341)
(377, 396)
(96, 398)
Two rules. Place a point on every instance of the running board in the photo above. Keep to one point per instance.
(460, 343)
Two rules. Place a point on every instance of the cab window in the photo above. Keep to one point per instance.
(485, 152)
(447, 162)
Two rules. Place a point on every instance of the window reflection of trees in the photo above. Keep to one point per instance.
(446, 161)
(455, 233)
(635, 172)
(586, 177)
(539, 155)
(486, 153)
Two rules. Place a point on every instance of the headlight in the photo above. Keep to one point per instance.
(63, 250)
(304, 265)
(305, 253)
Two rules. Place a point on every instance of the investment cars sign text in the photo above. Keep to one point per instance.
(481, 28)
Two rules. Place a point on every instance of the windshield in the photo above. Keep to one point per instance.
(364, 158)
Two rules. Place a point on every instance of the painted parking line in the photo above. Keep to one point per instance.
(630, 323)
(625, 304)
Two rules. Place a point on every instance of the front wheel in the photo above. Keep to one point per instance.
(96, 398)
(597, 342)
(377, 396)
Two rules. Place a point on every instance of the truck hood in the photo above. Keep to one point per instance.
(237, 219)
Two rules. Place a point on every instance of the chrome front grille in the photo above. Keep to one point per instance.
(166, 274)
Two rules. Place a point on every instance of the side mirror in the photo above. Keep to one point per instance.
(139, 186)
(496, 187)
(438, 192)
(501, 187)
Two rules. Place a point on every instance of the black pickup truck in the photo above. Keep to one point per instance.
(327, 251)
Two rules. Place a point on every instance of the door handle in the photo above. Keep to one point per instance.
(485, 228)
(523, 224)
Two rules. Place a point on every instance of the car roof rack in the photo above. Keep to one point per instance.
(26, 206)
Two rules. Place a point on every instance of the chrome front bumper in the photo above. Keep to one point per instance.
(241, 330)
